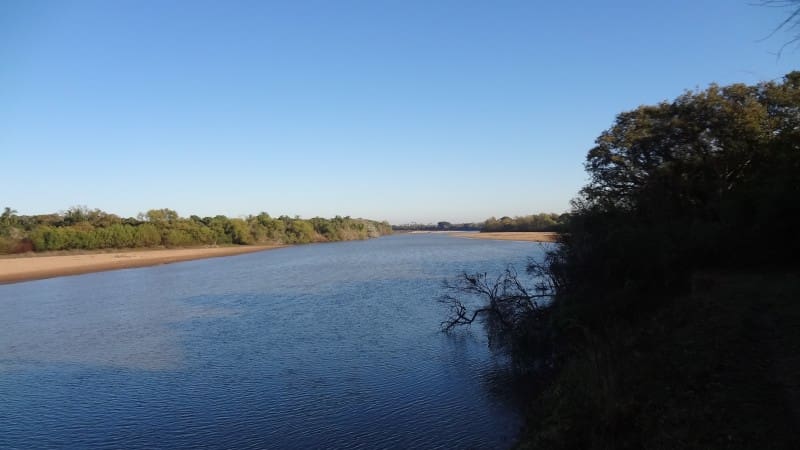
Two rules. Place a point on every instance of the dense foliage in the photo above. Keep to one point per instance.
(533, 222)
(82, 228)
(707, 179)
(438, 226)
(704, 183)
(658, 315)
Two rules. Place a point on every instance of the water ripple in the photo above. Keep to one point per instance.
(325, 346)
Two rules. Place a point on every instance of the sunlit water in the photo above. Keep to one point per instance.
(320, 346)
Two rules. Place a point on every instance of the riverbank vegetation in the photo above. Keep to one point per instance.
(439, 226)
(533, 222)
(670, 314)
(86, 229)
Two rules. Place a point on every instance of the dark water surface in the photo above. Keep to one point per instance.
(320, 346)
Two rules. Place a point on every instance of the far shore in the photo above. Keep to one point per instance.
(527, 236)
(32, 266)
(27, 267)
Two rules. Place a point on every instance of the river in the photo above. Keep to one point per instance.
(318, 346)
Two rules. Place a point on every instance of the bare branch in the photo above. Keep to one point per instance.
(791, 23)
(505, 301)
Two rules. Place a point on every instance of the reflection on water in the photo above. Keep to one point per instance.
(333, 345)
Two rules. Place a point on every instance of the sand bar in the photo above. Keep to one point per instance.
(527, 236)
(35, 267)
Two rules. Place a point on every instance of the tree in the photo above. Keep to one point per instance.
(685, 156)
(533, 222)
(76, 214)
(163, 215)
(299, 231)
(147, 235)
(688, 184)
(675, 186)
(8, 217)
(240, 232)
(82, 228)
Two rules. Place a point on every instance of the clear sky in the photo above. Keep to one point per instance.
(397, 110)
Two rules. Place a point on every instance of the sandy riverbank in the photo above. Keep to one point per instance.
(528, 236)
(34, 267)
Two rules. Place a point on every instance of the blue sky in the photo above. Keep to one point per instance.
(397, 110)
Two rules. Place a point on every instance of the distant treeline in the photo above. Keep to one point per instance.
(439, 226)
(533, 222)
(82, 228)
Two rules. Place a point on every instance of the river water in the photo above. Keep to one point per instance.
(319, 346)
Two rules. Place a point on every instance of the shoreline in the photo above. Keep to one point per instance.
(20, 268)
(523, 236)
(30, 267)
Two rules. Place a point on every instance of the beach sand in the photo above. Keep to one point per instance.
(528, 236)
(15, 268)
